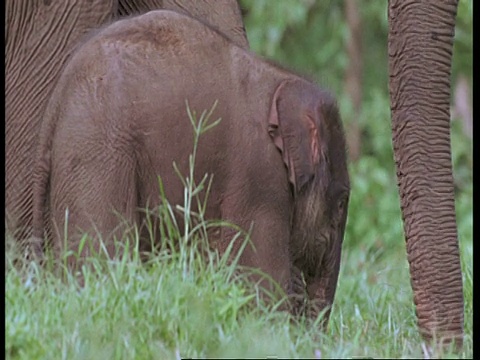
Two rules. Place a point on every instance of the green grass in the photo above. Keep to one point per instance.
(133, 311)
(181, 305)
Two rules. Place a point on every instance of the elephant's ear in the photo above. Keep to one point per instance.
(293, 125)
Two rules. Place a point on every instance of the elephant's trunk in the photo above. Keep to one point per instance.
(420, 52)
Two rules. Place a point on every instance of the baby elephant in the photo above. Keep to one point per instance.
(117, 121)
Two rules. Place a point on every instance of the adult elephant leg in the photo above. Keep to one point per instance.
(39, 37)
(420, 51)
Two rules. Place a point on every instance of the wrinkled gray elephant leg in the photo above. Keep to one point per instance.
(40, 36)
(223, 15)
(420, 47)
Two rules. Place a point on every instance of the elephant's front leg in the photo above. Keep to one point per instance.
(267, 248)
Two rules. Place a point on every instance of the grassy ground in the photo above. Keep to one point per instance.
(179, 305)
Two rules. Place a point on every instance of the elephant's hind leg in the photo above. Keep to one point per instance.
(96, 196)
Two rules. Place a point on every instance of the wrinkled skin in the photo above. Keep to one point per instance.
(420, 55)
(40, 36)
(117, 120)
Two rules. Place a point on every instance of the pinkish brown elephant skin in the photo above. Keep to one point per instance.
(40, 37)
(117, 119)
(420, 54)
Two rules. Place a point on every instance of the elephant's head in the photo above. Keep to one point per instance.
(305, 126)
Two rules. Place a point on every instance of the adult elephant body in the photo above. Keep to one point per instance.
(117, 120)
(39, 39)
(40, 36)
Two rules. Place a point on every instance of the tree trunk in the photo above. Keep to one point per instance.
(353, 76)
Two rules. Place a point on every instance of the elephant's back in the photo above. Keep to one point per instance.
(161, 31)
(151, 53)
